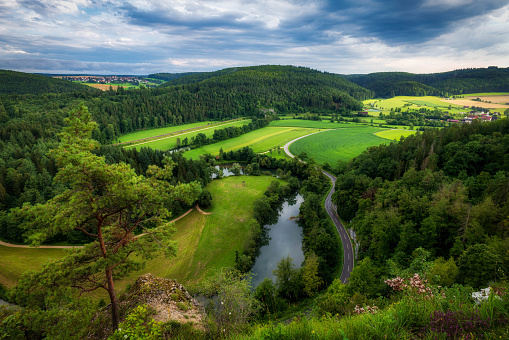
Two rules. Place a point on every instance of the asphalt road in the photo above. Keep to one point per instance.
(345, 239)
(331, 210)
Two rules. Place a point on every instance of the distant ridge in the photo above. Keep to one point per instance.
(457, 82)
(13, 82)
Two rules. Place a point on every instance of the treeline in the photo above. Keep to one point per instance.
(12, 82)
(32, 181)
(170, 76)
(475, 80)
(444, 191)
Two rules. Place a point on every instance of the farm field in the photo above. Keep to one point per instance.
(260, 140)
(160, 131)
(343, 144)
(201, 239)
(497, 99)
(170, 142)
(395, 134)
(414, 101)
(485, 94)
(469, 102)
(312, 124)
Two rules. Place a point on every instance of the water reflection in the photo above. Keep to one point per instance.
(284, 239)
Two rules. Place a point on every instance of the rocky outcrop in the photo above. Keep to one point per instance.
(168, 298)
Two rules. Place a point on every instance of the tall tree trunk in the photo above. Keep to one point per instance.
(115, 320)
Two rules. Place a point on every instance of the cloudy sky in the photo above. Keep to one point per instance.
(342, 36)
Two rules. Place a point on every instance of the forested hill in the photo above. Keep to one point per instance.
(283, 86)
(475, 80)
(445, 190)
(12, 82)
(170, 76)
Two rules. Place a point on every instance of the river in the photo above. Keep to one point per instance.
(285, 239)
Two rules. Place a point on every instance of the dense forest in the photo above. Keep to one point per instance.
(445, 191)
(12, 82)
(457, 82)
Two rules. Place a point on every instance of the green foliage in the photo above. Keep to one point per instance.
(108, 202)
(310, 279)
(443, 272)
(288, 279)
(233, 306)
(479, 265)
(45, 310)
(138, 325)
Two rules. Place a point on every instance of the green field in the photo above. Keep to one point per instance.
(343, 144)
(17, 260)
(260, 140)
(205, 242)
(312, 124)
(170, 142)
(161, 131)
(395, 134)
(485, 94)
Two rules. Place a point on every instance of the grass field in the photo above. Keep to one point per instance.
(312, 124)
(395, 134)
(170, 142)
(484, 94)
(260, 140)
(15, 261)
(158, 132)
(343, 144)
(205, 242)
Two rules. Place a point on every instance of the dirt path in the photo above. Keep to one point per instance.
(5, 244)
(44, 247)
(202, 212)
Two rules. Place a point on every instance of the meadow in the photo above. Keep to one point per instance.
(260, 140)
(395, 134)
(170, 142)
(205, 242)
(15, 261)
(312, 124)
(339, 144)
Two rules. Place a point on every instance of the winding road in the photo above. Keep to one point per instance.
(348, 257)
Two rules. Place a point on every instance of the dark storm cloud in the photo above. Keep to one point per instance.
(404, 21)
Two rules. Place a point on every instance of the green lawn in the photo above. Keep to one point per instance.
(260, 140)
(395, 134)
(170, 142)
(344, 144)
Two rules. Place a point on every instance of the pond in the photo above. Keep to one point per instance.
(285, 239)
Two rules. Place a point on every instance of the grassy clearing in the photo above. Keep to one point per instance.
(205, 242)
(15, 261)
(395, 134)
(170, 142)
(260, 140)
(311, 124)
(343, 144)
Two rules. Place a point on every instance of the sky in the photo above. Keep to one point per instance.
(140, 37)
